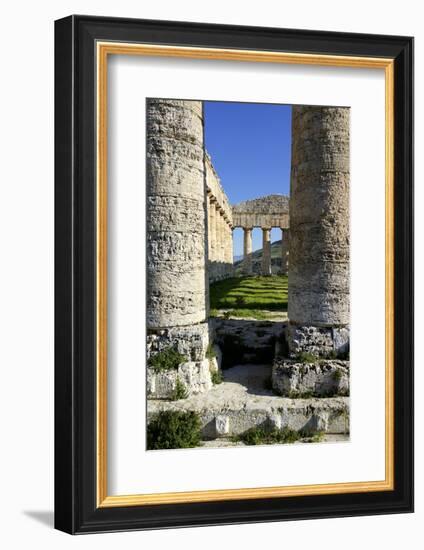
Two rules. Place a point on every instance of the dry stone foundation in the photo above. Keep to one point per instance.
(243, 341)
(190, 341)
(228, 414)
(291, 378)
(320, 341)
(194, 376)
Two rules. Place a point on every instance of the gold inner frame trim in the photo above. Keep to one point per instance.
(103, 50)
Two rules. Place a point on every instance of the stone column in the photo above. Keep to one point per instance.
(318, 305)
(223, 242)
(266, 251)
(230, 250)
(284, 251)
(228, 246)
(176, 228)
(247, 250)
(218, 246)
(212, 229)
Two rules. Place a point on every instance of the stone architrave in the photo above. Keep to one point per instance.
(268, 211)
(176, 224)
(318, 304)
(266, 251)
(247, 251)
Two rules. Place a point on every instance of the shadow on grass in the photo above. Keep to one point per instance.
(250, 293)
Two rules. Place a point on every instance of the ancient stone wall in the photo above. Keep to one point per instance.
(220, 226)
(319, 229)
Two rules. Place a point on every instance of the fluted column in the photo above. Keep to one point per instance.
(223, 237)
(212, 229)
(176, 224)
(319, 229)
(266, 251)
(228, 248)
(285, 236)
(247, 250)
(218, 250)
(231, 250)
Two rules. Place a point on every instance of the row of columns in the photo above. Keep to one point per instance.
(266, 268)
(220, 240)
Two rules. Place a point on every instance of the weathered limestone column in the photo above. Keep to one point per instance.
(318, 305)
(212, 229)
(247, 250)
(218, 247)
(266, 251)
(228, 248)
(222, 225)
(208, 216)
(222, 243)
(284, 251)
(231, 251)
(176, 228)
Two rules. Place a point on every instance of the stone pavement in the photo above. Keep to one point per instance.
(245, 400)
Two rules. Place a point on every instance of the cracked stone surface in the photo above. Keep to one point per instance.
(321, 378)
(245, 399)
(319, 217)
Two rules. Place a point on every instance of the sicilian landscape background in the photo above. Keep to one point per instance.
(251, 148)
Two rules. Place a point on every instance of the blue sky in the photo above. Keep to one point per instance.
(250, 148)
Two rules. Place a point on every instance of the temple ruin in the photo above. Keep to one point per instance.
(266, 213)
(190, 223)
(220, 226)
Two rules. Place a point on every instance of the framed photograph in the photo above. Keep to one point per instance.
(234, 269)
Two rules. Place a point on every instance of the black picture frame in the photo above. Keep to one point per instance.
(76, 510)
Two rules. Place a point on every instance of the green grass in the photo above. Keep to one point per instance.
(261, 436)
(210, 353)
(216, 376)
(179, 391)
(306, 357)
(167, 359)
(174, 430)
(250, 296)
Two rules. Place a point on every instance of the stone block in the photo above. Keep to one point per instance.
(290, 378)
(194, 375)
(219, 419)
(320, 341)
(222, 425)
(191, 341)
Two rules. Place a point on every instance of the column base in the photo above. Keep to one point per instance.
(319, 341)
(323, 378)
(190, 341)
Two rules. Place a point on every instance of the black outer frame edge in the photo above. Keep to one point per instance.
(404, 267)
(75, 377)
(64, 449)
